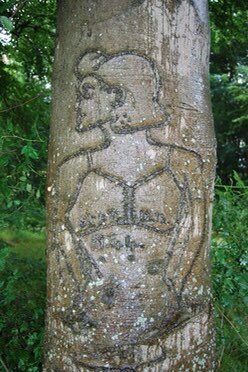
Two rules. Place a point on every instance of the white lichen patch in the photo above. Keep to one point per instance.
(141, 321)
(96, 283)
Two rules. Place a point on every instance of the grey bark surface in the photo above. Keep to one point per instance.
(131, 169)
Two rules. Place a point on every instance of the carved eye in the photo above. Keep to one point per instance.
(118, 95)
(87, 90)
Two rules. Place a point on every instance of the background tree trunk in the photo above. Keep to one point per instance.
(131, 169)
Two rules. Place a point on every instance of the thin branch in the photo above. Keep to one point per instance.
(4, 365)
(19, 7)
(20, 104)
(231, 324)
(24, 139)
(232, 187)
(221, 356)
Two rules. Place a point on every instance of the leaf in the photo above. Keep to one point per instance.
(9, 204)
(4, 252)
(6, 23)
(4, 160)
(23, 327)
(38, 194)
(29, 151)
(238, 180)
(29, 187)
(9, 125)
(23, 178)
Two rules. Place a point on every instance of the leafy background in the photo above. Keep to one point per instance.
(27, 33)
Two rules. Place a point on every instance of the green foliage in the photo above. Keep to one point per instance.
(230, 109)
(229, 84)
(24, 109)
(230, 274)
(23, 162)
(24, 243)
(228, 20)
(22, 304)
(32, 35)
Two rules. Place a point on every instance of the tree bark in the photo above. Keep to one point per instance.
(131, 169)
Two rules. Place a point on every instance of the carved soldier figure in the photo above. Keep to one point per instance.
(132, 217)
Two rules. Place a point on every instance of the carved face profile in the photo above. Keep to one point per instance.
(122, 90)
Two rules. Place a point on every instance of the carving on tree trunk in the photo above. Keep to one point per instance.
(131, 209)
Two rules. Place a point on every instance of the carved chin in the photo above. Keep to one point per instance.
(129, 124)
(85, 122)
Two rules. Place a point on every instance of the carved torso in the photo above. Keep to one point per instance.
(127, 216)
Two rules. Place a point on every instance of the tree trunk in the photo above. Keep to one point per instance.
(131, 169)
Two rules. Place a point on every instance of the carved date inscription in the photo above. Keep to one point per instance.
(102, 243)
(151, 203)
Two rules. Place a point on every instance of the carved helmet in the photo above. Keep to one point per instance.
(122, 89)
